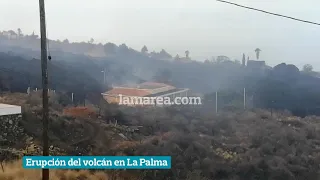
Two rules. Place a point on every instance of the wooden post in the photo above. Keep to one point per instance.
(216, 101)
(44, 68)
(244, 98)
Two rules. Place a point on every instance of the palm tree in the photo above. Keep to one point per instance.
(257, 52)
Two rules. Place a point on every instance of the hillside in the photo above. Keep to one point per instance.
(124, 64)
(17, 74)
(283, 87)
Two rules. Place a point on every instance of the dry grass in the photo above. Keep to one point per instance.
(14, 98)
(84, 112)
(15, 171)
(125, 145)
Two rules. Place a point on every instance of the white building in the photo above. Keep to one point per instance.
(6, 109)
(10, 34)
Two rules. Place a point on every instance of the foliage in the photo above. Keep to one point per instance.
(232, 145)
(307, 68)
(237, 144)
(144, 49)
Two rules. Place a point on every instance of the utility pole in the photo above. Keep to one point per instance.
(244, 98)
(44, 68)
(104, 75)
(216, 101)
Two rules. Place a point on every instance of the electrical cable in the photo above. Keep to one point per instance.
(275, 14)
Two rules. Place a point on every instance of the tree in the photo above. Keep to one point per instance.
(19, 32)
(33, 36)
(66, 41)
(243, 59)
(91, 41)
(110, 48)
(221, 59)
(12, 32)
(307, 68)
(177, 57)
(123, 48)
(163, 54)
(257, 52)
(286, 72)
(213, 59)
(144, 49)
(187, 54)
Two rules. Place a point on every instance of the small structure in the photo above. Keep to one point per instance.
(6, 109)
(256, 64)
(10, 34)
(258, 67)
(147, 89)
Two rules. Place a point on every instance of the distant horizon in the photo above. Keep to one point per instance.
(203, 27)
(199, 58)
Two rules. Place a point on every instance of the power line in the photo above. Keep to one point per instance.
(275, 14)
(48, 41)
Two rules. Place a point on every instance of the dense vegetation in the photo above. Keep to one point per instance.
(233, 145)
(237, 144)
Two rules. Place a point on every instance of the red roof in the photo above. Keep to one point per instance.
(155, 84)
(152, 85)
(129, 92)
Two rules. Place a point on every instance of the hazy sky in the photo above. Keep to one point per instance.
(204, 27)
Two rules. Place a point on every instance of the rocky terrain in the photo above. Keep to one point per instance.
(236, 145)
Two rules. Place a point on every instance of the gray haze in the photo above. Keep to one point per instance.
(205, 27)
